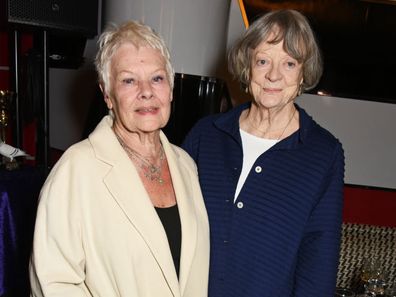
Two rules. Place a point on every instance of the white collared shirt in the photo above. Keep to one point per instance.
(253, 147)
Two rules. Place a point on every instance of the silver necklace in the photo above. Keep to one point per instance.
(287, 125)
(150, 171)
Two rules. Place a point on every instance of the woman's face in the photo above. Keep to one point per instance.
(140, 92)
(275, 76)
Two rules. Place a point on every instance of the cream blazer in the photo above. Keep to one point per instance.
(97, 233)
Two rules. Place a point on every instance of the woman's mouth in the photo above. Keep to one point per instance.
(147, 110)
(272, 90)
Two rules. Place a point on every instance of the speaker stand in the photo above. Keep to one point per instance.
(18, 129)
(45, 127)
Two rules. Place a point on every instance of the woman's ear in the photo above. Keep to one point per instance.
(106, 97)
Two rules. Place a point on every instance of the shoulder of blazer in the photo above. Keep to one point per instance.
(186, 158)
(180, 154)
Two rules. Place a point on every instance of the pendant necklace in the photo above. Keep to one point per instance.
(150, 171)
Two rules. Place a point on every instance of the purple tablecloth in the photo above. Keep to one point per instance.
(7, 241)
(19, 190)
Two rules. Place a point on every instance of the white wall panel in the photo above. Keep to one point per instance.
(367, 132)
(194, 31)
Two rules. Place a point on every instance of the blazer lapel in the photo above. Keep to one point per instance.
(185, 197)
(127, 190)
(135, 203)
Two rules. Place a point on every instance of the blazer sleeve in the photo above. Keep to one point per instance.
(57, 262)
(318, 257)
(191, 142)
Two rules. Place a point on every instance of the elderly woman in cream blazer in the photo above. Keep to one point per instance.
(121, 213)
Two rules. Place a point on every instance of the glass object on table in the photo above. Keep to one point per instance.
(344, 292)
(371, 269)
(377, 286)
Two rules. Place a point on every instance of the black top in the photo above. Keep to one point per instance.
(170, 219)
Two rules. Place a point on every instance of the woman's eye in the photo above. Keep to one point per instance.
(128, 80)
(291, 64)
(158, 78)
(261, 62)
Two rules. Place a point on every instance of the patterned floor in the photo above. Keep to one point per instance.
(365, 241)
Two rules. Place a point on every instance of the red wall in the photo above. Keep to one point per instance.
(371, 206)
(4, 74)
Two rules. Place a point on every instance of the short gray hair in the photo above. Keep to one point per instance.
(299, 42)
(129, 32)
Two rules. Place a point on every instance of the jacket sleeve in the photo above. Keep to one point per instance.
(57, 263)
(190, 143)
(318, 256)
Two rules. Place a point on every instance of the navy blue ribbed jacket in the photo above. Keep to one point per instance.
(281, 237)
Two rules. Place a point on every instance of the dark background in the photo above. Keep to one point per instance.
(358, 42)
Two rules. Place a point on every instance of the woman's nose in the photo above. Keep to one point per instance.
(273, 73)
(146, 91)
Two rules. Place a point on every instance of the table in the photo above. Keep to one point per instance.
(19, 190)
(7, 241)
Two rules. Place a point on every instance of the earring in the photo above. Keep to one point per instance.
(246, 89)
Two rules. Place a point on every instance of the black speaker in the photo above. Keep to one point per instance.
(194, 97)
(78, 16)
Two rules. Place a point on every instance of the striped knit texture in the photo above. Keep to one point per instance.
(282, 235)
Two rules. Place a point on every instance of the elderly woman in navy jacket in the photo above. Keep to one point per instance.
(272, 178)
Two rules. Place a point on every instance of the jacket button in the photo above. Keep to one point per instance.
(258, 169)
(240, 204)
